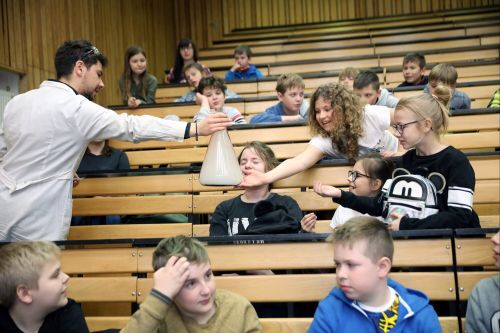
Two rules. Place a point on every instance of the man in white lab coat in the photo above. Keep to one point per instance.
(45, 132)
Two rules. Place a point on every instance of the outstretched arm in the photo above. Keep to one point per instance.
(288, 168)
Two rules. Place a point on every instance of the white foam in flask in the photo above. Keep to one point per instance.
(220, 166)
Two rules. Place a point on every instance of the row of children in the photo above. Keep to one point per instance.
(184, 297)
(136, 82)
(344, 127)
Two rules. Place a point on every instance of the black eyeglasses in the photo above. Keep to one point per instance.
(353, 175)
(401, 127)
(92, 51)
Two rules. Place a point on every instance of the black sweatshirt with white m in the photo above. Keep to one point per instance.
(454, 202)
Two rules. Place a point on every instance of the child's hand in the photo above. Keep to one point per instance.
(169, 279)
(396, 221)
(236, 66)
(308, 222)
(200, 98)
(132, 102)
(213, 123)
(326, 190)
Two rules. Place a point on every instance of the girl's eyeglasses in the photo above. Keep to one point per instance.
(401, 127)
(353, 175)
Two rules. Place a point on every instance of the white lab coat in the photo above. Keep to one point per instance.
(44, 135)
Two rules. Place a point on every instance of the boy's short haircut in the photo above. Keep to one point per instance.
(378, 239)
(180, 246)
(349, 72)
(288, 81)
(240, 49)
(444, 73)
(21, 264)
(196, 65)
(415, 57)
(211, 82)
(366, 78)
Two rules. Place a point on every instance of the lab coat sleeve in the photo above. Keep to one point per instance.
(97, 123)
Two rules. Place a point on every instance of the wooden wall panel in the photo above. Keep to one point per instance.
(33, 29)
(265, 13)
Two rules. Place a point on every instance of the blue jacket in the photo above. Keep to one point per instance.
(250, 73)
(338, 314)
(274, 113)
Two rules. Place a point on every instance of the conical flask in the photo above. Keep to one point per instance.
(220, 165)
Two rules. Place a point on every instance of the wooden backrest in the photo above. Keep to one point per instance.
(121, 231)
(308, 255)
(314, 287)
(107, 260)
(103, 289)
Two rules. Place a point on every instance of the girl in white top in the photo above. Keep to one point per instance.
(366, 178)
(342, 128)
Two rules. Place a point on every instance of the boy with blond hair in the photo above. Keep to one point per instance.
(33, 291)
(447, 75)
(184, 298)
(365, 299)
(347, 77)
(291, 107)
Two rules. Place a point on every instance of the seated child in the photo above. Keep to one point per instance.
(367, 86)
(483, 308)
(237, 215)
(187, 53)
(184, 296)
(193, 73)
(291, 106)
(242, 68)
(366, 178)
(136, 84)
(33, 293)
(447, 75)
(414, 70)
(365, 298)
(419, 122)
(347, 77)
(211, 96)
(495, 100)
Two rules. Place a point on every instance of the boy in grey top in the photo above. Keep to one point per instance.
(367, 87)
(211, 96)
(483, 307)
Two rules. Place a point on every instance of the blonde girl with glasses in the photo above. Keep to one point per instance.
(419, 122)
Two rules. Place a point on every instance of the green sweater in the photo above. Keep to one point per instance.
(234, 314)
(151, 84)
